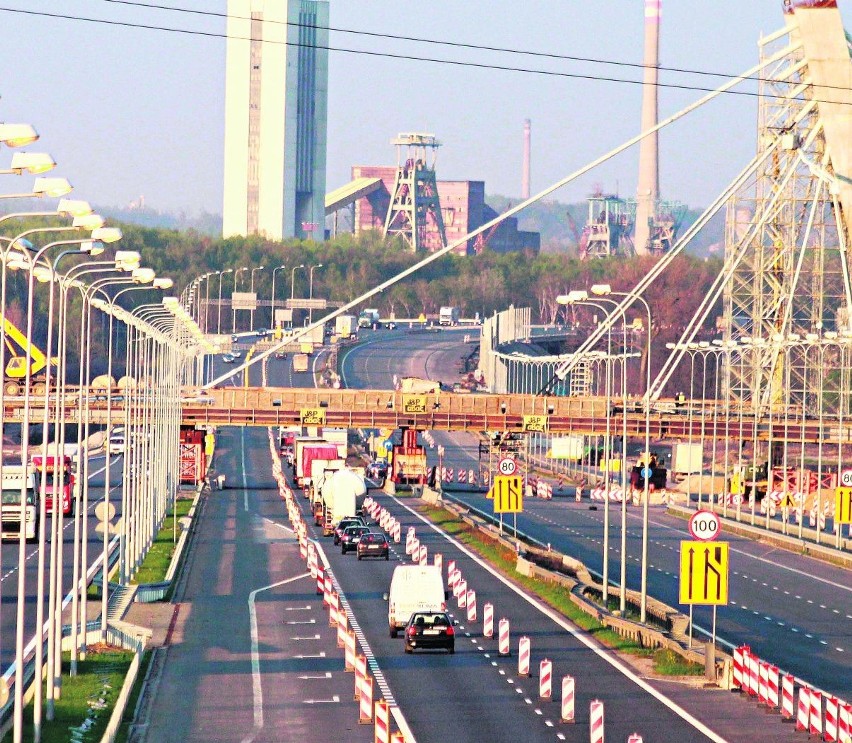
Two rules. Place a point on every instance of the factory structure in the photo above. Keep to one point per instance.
(407, 200)
(276, 100)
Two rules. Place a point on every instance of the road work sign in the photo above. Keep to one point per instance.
(508, 494)
(704, 573)
(843, 506)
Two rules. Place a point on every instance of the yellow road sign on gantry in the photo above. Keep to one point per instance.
(508, 494)
(843, 506)
(704, 573)
(312, 416)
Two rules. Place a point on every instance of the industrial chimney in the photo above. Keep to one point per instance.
(649, 164)
(525, 176)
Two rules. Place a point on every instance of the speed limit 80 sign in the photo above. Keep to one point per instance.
(506, 466)
(704, 526)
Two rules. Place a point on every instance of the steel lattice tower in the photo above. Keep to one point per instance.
(415, 209)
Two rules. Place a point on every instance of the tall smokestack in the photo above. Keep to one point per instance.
(649, 164)
(525, 176)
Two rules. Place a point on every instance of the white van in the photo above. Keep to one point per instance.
(414, 588)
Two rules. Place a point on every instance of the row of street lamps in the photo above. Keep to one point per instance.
(163, 342)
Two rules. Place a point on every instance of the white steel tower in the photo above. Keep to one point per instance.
(276, 94)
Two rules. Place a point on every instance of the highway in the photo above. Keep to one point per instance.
(9, 555)
(790, 609)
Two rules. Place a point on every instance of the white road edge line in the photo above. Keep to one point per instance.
(257, 687)
(605, 656)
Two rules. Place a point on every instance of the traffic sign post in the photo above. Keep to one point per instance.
(704, 577)
(704, 526)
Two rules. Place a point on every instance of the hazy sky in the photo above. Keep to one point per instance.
(130, 111)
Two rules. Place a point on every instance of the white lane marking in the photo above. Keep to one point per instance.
(245, 481)
(257, 687)
(310, 655)
(297, 608)
(306, 621)
(334, 700)
(548, 612)
(280, 526)
(299, 639)
(327, 675)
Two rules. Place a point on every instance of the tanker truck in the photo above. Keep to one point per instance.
(342, 494)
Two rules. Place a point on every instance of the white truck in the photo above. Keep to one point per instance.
(369, 318)
(339, 437)
(448, 316)
(569, 447)
(418, 386)
(687, 459)
(414, 588)
(13, 478)
(340, 498)
(346, 326)
(321, 470)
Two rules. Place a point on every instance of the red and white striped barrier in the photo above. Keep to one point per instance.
(397, 737)
(382, 721)
(567, 714)
(360, 674)
(312, 559)
(462, 597)
(503, 637)
(524, 656)
(772, 698)
(762, 681)
(350, 651)
(438, 561)
(845, 727)
(803, 710)
(816, 713)
(455, 582)
(451, 568)
(342, 628)
(738, 665)
(333, 608)
(422, 555)
(328, 588)
(545, 679)
(753, 674)
(365, 706)
(788, 697)
(462, 477)
(596, 721)
(832, 719)
(320, 581)
(447, 474)
(544, 490)
(488, 620)
(397, 533)
(471, 606)
(635, 738)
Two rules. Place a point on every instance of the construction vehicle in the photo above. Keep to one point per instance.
(58, 477)
(13, 478)
(16, 368)
(408, 460)
(300, 362)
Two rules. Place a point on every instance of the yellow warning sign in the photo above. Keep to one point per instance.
(414, 404)
(535, 423)
(312, 416)
(843, 506)
(704, 573)
(787, 501)
(508, 494)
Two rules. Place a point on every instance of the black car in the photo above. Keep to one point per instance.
(351, 537)
(373, 545)
(430, 629)
(348, 521)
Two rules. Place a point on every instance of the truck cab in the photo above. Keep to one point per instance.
(13, 478)
(55, 478)
(369, 319)
(448, 316)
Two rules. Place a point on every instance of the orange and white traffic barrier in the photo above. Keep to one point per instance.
(423, 556)
(349, 651)
(438, 561)
(815, 723)
(762, 681)
(832, 714)
(488, 620)
(567, 699)
(545, 679)
(772, 699)
(413, 548)
(503, 647)
(312, 559)
(471, 606)
(360, 674)
(788, 696)
(635, 738)
(320, 580)
(365, 705)
(803, 711)
(342, 627)
(455, 582)
(451, 568)
(397, 533)
(844, 729)
(462, 593)
(333, 608)
(382, 721)
(397, 737)
(524, 656)
(303, 547)
(753, 675)
(596, 721)
(328, 588)
(738, 666)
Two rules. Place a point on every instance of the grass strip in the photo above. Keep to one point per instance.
(83, 711)
(156, 563)
(666, 662)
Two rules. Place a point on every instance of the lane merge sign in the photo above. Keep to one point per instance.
(508, 494)
(843, 506)
(506, 466)
(704, 573)
(704, 526)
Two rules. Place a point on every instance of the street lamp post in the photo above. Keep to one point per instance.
(219, 304)
(251, 313)
(311, 290)
(293, 287)
(272, 296)
(234, 309)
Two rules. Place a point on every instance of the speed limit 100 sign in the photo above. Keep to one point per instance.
(507, 466)
(704, 526)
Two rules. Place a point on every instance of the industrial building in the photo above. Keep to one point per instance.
(276, 99)
(463, 209)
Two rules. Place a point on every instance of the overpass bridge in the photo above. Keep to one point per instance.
(448, 411)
